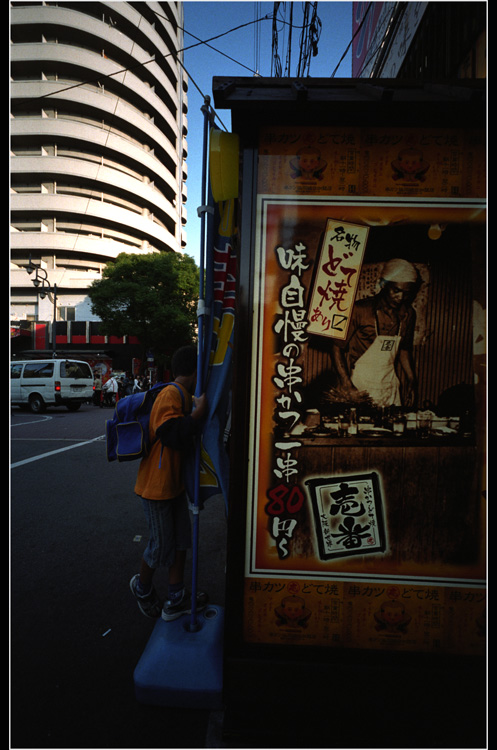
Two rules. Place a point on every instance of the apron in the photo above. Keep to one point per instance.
(374, 371)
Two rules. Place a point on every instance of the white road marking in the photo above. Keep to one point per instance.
(53, 453)
(33, 421)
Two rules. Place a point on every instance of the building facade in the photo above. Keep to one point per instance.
(98, 150)
(434, 42)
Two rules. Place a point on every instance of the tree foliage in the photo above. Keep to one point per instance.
(152, 296)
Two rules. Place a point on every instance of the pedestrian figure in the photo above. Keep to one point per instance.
(160, 485)
(110, 391)
(97, 393)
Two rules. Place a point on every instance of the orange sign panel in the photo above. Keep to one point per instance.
(372, 161)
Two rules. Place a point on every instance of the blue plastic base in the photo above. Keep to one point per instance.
(182, 668)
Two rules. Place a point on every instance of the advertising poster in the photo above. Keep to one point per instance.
(427, 162)
(365, 525)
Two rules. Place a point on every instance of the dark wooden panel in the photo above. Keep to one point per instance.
(430, 496)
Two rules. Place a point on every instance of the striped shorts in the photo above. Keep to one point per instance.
(169, 529)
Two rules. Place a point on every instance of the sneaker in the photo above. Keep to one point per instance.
(149, 604)
(172, 611)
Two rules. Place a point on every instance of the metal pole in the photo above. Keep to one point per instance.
(194, 626)
(54, 324)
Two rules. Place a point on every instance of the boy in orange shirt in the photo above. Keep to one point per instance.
(159, 483)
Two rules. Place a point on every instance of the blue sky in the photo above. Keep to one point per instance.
(250, 48)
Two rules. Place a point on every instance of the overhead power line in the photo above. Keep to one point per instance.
(308, 42)
(257, 39)
(309, 39)
(310, 34)
(350, 43)
(131, 68)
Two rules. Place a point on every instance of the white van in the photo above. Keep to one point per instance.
(38, 383)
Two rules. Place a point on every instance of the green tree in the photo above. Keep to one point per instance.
(152, 296)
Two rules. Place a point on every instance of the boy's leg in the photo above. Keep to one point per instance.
(179, 600)
(182, 541)
(146, 598)
(146, 575)
(176, 587)
(177, 569)
(141, 583)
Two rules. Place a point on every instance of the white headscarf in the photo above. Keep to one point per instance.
(399, 270)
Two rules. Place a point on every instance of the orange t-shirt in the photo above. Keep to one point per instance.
(164, 482)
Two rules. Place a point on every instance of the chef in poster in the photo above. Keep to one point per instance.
(379, 338)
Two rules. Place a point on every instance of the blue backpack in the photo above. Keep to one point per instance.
(128, 434)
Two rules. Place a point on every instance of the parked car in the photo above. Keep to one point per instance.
(36, 384)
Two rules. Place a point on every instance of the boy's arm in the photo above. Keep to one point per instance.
(177, 431)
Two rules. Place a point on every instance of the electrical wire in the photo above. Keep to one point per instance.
(132, 68)
(218, 51)
(275, 58)
(303, 42)
(154, 59)
(350, 43)
(288, 64)
(308, 39)
(308, 43)
(257, 39)
(99, 79)
(392, 21)
(276, 61)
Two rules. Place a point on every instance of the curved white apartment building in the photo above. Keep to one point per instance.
(98, 144)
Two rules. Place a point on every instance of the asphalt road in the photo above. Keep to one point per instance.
(77, 535)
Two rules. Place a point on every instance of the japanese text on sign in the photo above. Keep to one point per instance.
(348, 515)
(336, 279)
(286, 499)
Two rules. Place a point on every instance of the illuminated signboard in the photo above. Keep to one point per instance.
(363, 517)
